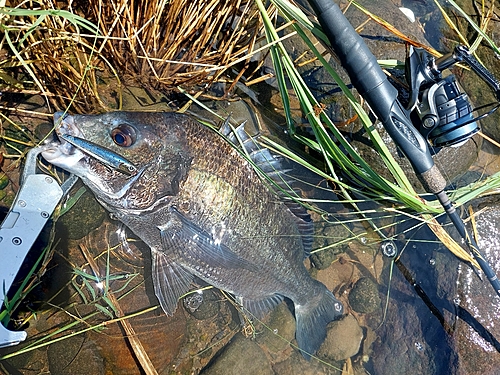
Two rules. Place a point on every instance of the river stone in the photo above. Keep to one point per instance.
(76, 355)
(326, 234)
(410, 338)
(364, 297)
(297, 365)
(343, 339)
(242, 356)
(280, 330)
(84, 217)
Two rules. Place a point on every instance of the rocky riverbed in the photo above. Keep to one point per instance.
(423, 312)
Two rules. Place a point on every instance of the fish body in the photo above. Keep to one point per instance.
(202, 210)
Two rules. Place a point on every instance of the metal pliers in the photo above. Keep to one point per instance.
(35, 202)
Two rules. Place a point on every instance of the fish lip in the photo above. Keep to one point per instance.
(59, 147)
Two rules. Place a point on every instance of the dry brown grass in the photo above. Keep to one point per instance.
(165, 44)
(178, 42)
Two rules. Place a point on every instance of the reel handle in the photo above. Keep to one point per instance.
(462, 53)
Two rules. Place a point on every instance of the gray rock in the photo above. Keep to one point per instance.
(326, 234)
(85, 216)
(242, 356)
(343, 339)
(281, 330)
(297, 365)
(401, 346)
(76, 355)
(364, 297)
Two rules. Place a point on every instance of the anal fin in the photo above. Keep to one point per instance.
(261, 306)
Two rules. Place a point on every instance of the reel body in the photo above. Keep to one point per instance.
(440, 110)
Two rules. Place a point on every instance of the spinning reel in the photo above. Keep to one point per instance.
(440, 111)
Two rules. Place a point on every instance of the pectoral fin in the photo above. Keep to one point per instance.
(195, 247)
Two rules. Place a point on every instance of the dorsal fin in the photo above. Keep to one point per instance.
(273, 166)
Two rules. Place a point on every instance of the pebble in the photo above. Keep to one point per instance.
(364, 297)
(343, 339)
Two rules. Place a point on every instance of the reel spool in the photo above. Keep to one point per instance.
(446, 114)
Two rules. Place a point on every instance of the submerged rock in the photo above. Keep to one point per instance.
(477, 334)
(343, 339)
(76, 355)
(203, 305)
(364, 297)
(297, 365)
(325, 235)
(242, 356)
(85, 216)
(281, 330)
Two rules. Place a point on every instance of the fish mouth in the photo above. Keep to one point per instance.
(60, 152)
(72, 147)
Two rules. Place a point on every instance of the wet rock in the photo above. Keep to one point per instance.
(401, 348)
(85, 216)
(136, 98)
(203, 305)
(325, 236)
(364, 296)
(281, 330)
(343, 339)
(242, 356)
(411, 339)
(297, 365)
(477, 334)
(76, 355)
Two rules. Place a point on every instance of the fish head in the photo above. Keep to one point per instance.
(128, 159)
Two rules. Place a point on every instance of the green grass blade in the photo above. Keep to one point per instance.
(351, 163)
(476, 27)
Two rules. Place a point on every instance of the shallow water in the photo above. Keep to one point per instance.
(423, 312)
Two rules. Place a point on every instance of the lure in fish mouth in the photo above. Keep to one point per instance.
(74, 147)
(118, 156)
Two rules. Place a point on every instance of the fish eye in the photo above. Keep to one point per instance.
(123, 135)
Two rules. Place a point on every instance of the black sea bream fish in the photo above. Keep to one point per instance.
(201, 208)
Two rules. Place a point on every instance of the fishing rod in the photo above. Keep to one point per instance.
(443, 114)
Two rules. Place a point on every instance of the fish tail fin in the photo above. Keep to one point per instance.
(312, 319)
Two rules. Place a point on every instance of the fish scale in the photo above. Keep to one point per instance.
(212, 215)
